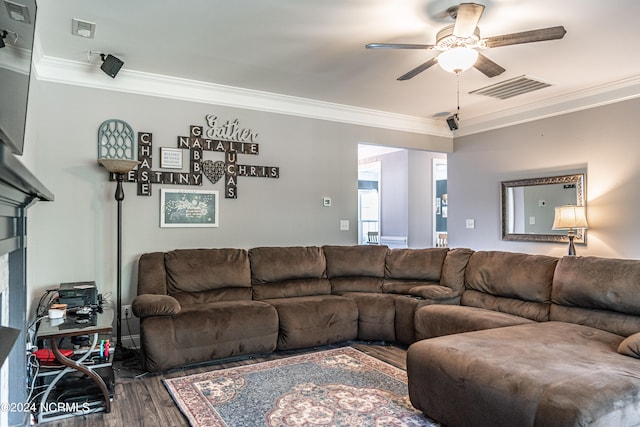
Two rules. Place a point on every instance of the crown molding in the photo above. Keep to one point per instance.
(47, 68)
(130, 81)
(596, 96)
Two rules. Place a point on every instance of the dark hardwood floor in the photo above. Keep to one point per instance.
(142, 400)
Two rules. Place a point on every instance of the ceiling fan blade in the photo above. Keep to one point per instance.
(399, 46)
(418, 69)
(551, 33)
(487, 66)
(467, 18)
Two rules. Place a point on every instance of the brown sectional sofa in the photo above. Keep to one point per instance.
(497, 338)
(536, 341)
(197, 305)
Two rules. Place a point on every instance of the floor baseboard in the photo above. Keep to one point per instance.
(131, 341)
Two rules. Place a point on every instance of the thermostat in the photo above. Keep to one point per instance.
(326, 202)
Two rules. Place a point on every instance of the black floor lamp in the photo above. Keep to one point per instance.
(119, 167)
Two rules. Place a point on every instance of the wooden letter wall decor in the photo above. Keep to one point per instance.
(237, 141)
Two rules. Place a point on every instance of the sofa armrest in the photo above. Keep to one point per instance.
(149, 305)
(434, 292)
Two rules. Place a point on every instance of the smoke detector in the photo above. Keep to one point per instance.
(17, 12)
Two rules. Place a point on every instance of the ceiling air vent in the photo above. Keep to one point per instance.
(512, 87)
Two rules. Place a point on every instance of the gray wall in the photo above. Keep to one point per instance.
(602, 140)
(74, 237)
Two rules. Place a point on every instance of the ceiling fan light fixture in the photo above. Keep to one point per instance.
(458, 59)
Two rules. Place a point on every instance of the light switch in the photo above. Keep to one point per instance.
(532, 220)
(344, 225)
(471, 223)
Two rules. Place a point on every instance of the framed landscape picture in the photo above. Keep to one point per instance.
(188, 208)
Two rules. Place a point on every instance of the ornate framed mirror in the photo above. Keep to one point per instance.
(528, 207)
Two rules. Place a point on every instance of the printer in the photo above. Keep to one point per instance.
(78, 294)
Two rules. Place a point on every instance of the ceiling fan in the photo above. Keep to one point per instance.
(458, 42)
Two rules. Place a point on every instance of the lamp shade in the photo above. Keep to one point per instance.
(118, 165)
(570, 216)
(458, 59)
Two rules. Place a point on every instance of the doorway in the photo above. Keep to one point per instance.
(369, 203)
(441, 203)
(396, 196)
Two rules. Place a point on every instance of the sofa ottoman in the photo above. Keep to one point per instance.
(539, 374)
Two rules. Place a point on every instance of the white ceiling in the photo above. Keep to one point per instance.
(314, 49)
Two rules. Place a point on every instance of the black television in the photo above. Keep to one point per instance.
(17, 28)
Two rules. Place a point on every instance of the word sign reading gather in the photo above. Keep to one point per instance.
(230, 139)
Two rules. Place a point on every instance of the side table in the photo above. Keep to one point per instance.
(89, 362)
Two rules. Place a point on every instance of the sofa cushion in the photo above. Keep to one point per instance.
(204, 297)
(538, 311)
(599, 292)
(212, 331)
(454, 267)
(376, 315)
(355, 268)
(438, 320)
(276, 264)
(194, 270)
(291, 288)
(511, 275)
(513, 283)
(358, 261)
(356, 284)
(616, 323)
(310, 321)
(415, 264)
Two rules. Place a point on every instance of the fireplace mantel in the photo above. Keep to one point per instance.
(19, 189)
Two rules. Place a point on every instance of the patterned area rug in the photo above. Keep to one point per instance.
(339, 387)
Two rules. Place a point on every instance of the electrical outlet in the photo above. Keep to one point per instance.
(126, 312)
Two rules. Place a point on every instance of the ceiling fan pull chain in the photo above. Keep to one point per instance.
(458, 94)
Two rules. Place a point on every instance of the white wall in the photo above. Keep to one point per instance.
(604, 141)
(74, 237)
